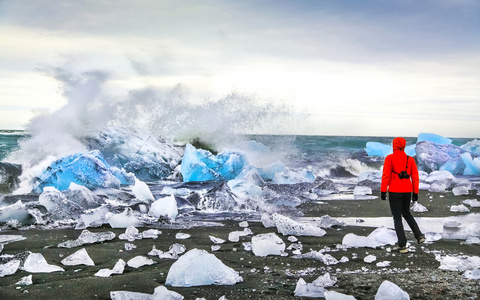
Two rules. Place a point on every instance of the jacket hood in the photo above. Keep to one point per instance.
(399, 143)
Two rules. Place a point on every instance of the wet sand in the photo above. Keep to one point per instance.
(272, 277)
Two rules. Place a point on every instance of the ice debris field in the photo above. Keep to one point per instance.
(161, 184)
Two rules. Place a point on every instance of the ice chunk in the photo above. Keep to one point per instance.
(160, 292)
(129, 246)
(80, 257)
(460, 190)
(459, 208)
(440, 180)
(198, 267)
(417, 207)
(332, 295)
(433, 157)
(140, 261)
(267, 244)
(17, 211)
(389, 291)
(164, 207)
(455, 263)
(201, 165)
(433, 236)
(36, 263)
(473, 229)
(472, 146)
(268, 172)
(328, 222)
(9, 238)
(58, 205)
(27, 280)
(243, 224)
(471, 240)
(287, 226)
(370, 258)
(174, 251)
(182, 236)
(131, 234)
(234, 236)
(384, 264)
(9, 268)
(352, 240)
(267, 221)
(151, 234)
(87, 237)
(378, 149)
(451, 223)
(472, 202)
(216, 240)
(123, 220)
(87, 169)
(93, 217)
(434, 138)
(469, 274)
(304, 289)
(362, 190)
(81, 196)
(142, 191)
(117, 269)
(325, 280)
(327, 259)
(472, 164)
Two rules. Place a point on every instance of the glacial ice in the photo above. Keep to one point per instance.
(472, 164)
(151, 233)
(36, 263)
(198, 267)
(326, 221)
(389, 291)
(417, 207)
(82, 196)
(458, 263)
(140, 261)
(27, 280)
(472, 202)
(164, 207)
(267, 244)
(216, 240)
(459, 208)
(362, 190)
(174, 252)
(370, 258)
(87, 237)
(379, 237)
(131, 234)
(434, 138)
(201, 165)
(332, 295)
(80, 257)
(287, 226)
(234, 236)
(325, 280)
(17, 211)
(472, 274)
(182, 236)
(58, 205)
(92, 217)
(267, 221)
(160, 292)
(9, 268)
(142, 192)
(117, 269)
(304, 289)
(473, 229)
(460, 190)
(472, 146)
(327, 259)
(123, 220)
(87, 169)
(382, 150)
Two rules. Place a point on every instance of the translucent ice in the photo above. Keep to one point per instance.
(164, 207)
(434, 138)
(379, 237)
(417, 207)
(326, 221)
(433, 236)
(80, 257)
(460, 190)
(389, 291)
(287, 226)
(332, 295)
(473, 229)
(362, 190)
(182, 236)
(198, 267)
(123, 220)
(267, 221)
(216, 240)
(459, 208)
(472, 202)
(131, 234)
(325, 280)
(472, 164)
(327, 259)
(433, 157)
(117, 269)
(160, 292)
(267, 244)
(142, 191)
(472, 146)
(472, 274)
(459, 263)
(201, 165)
(87, 237)
(27, 280)
(234, 236)
(17, 211)
(304, 289)
(140, 261)
(9, 268)
(36, 263)
(378, 149)
(370, 258)
(151, 234)
(82, 196)
(87, 169)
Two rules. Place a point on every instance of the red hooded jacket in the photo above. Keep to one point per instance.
(397, 162)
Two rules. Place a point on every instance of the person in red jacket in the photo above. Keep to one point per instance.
(400, 179)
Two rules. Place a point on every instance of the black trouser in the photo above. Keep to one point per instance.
(400, 206)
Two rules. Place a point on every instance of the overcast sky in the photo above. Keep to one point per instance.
(381, 67)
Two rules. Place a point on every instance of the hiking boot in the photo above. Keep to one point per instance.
(421, 239)
(400, 249)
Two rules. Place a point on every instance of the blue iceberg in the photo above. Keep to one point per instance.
(434, 138)
(87, 169)
(201, 165)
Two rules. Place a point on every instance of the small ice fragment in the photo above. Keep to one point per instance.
(36, 263)
(325, 280)
(216, 240)
(87, 237)
(139, 261)
(243, 224)
(160, 292)
(129, 246)
(472, 274)
(215, 248)
(267, 244)
(344, 259)
(182, 236)
(123, 220)
(80, 257)
(267, 221)
(9, 268)
(473, 229)
(304, 289)
(451, 224)
(142, 191)
(370, 258)
(292, 239)
(234, 236)
(151, 234)
(247, 246)
(384, 264)
(117, 269)
(332, 295)
(287, 226)
(472, 202)
(459, 208)
(198, 267)
(472, 240)
(389, 291)
(131, 234)
(27, 280)
(417, 207)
